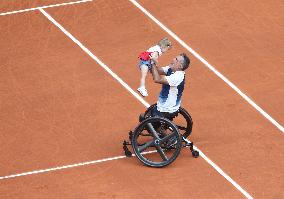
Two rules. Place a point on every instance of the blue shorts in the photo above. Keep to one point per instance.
(144, 62)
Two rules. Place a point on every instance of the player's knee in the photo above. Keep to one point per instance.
(144, 67)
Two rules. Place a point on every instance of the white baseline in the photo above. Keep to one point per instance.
(48, 6)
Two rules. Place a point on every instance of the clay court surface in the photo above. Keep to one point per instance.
(59, 107)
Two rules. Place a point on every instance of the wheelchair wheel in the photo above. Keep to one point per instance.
(183, 120)
(148, 112)
(156, 142)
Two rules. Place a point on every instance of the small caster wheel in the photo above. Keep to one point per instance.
(195, 154)
(128, 153)
(126, 150)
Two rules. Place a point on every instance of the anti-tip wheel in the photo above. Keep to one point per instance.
(195, 153)
(126, 150)
(128, 154)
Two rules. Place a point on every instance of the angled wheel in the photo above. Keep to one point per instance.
(156, 142)
(183, 120)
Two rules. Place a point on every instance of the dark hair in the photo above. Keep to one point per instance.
(186, 61)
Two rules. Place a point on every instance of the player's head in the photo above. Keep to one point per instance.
(186, 61)
(180, 62)
(165, 44)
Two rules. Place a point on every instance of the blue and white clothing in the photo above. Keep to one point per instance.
(170, 95)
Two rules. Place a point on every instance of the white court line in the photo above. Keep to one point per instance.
(115, 76)
(217, 168)
(61, 167)
(68, 166)
(49, 6)
(226, 80)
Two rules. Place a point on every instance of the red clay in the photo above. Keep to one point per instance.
(124, 179)
(59, 107)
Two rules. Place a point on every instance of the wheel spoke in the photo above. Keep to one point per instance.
(153, 131)
(145, 146)
(162, 154)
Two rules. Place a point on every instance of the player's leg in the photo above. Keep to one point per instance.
(144, 71)
(142, 90)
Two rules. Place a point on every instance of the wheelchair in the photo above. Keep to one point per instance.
(157, 141)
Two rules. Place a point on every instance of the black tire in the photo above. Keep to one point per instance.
(186, 127)
(184, 124)
(156, 142)
(148, 112)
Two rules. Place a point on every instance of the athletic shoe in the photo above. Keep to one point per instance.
(143, 91)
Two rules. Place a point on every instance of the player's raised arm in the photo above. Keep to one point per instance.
(157, 77)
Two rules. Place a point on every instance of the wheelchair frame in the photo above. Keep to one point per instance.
(167, 138)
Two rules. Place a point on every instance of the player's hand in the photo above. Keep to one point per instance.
(153, 62)
(154, 56)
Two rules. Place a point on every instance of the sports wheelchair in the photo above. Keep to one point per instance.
(157, 141)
